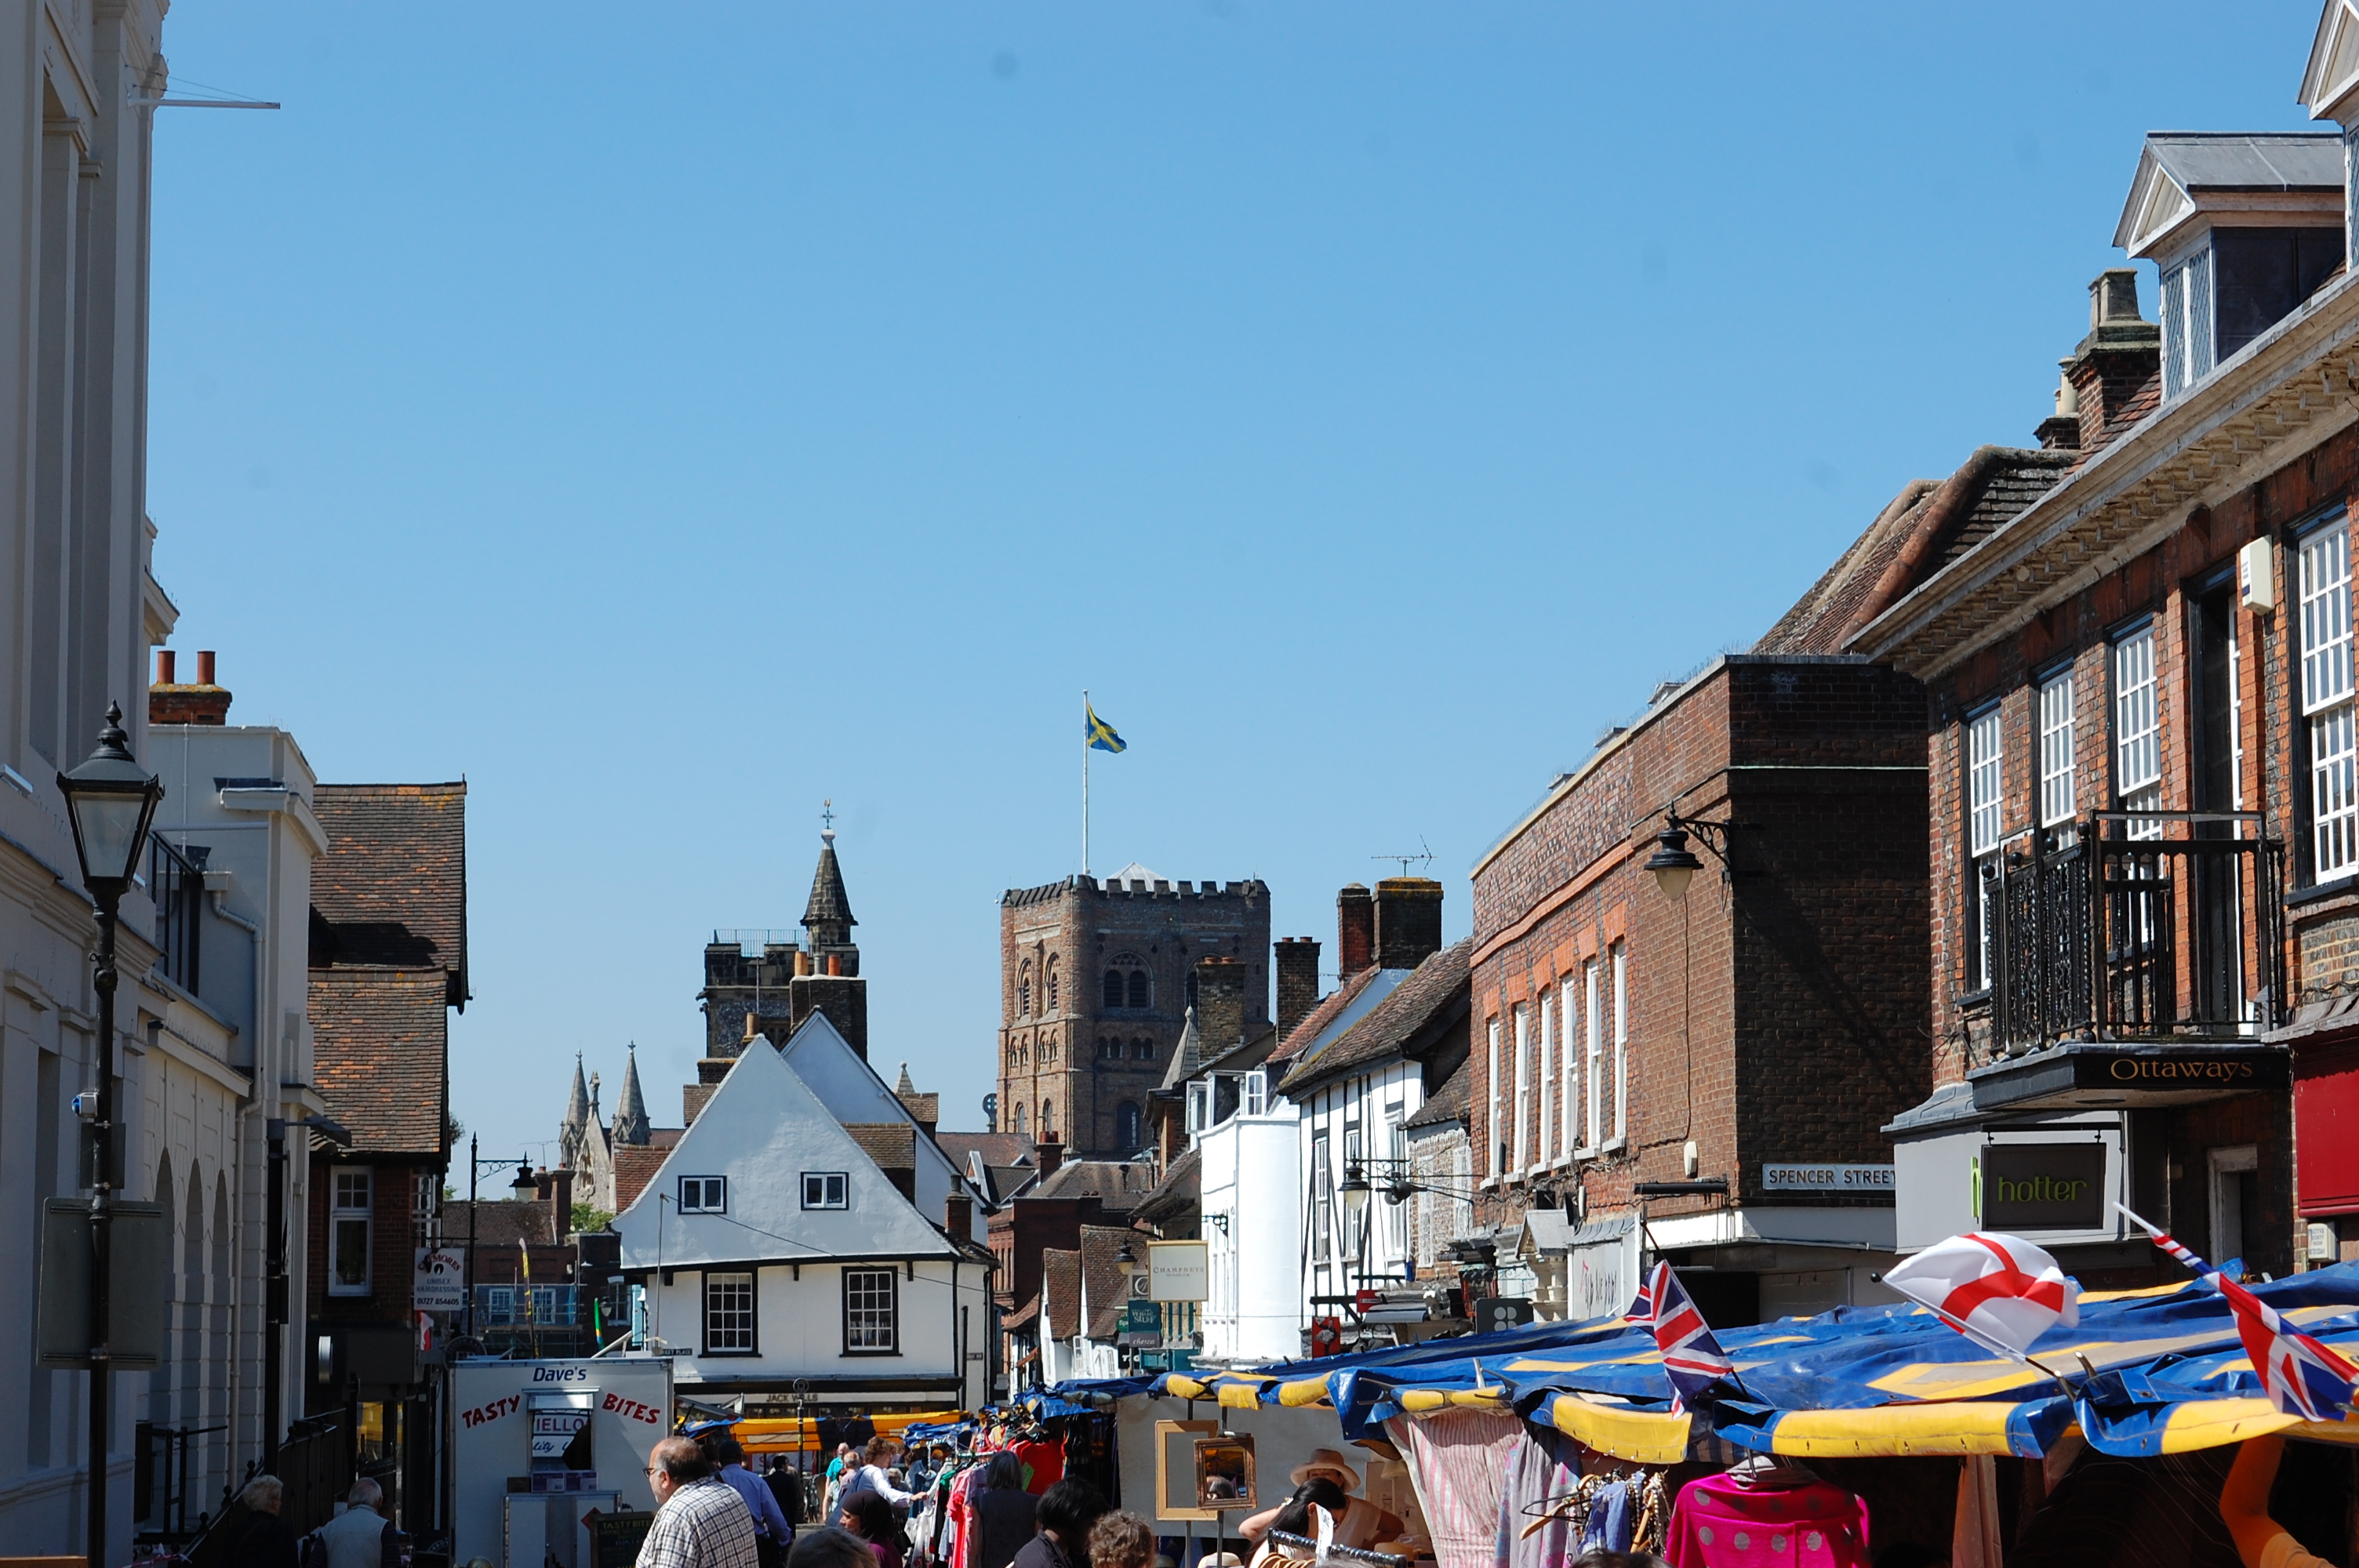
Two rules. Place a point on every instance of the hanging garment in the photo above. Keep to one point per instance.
(1457, 1462)
(1541, 1471)
(1608, 1527)
(1720, 1523)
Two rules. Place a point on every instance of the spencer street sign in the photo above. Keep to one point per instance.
(2043, 1186)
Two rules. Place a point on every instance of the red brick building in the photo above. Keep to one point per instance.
(388, 962)
(1753, 1029)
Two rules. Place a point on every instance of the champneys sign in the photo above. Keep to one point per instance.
(1875, 1180)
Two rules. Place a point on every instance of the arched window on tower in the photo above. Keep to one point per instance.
(1114, 989)
(1142, 990)
(1024, 988)
(1127, 1134)
(1053, 986)
(1047, 1120)
(1018, 1128)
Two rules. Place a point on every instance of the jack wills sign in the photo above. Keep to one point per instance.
(2043, 1186)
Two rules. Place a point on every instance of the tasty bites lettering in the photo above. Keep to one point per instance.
(633, 1408)
(506, 1406)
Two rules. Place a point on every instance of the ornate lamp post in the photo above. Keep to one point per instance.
(110, 799)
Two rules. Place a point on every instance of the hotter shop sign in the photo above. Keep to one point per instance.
(1870, 1180)
(2043, 1186)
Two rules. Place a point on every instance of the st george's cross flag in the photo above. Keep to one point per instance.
(1692, 1359)
(2300, 1375)
(2000, 1291)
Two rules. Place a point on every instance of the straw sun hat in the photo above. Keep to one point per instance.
(1327, 1461)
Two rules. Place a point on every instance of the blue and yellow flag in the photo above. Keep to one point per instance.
(1100, 733)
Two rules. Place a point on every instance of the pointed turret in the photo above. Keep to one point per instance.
(828, 917)
(631, 1113)
(907, 1087)
(577, 1108)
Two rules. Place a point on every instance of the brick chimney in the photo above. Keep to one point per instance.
(1355, 930)
(560, 1204)
(169, 702)
(1051, 1155)
(2116, 372)
(958, 1215)
(1220, 1005)
(1409, 921)
(1298, 981)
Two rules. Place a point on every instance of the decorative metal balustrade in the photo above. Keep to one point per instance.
(2152, 926)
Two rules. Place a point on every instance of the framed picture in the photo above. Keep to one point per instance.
(1224, 1473)
(1175, 1469)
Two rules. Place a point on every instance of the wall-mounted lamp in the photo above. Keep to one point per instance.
(1674, 865)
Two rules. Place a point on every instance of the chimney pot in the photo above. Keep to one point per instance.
(205, 667)
(1356, 929)
(167, 668)
(1051, 1154)
(835, 963)
(1220, 1004)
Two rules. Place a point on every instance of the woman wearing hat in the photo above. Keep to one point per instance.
(1361, 1523)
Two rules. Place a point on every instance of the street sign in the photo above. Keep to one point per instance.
(1142, 1323)
(438, 1281)
(139, 1257)
(1364, 1302)
(1178, 1271)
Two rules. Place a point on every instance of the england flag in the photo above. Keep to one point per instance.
(2000, 1291)
(1692, 1359)
(2300, 1375)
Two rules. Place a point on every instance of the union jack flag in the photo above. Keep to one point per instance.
(2300, 1375)
(1692, 1359)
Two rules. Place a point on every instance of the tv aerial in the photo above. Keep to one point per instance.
(1422, 858)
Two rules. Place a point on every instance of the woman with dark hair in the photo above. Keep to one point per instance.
(1067, 1511)
(867, 1514)
(1294, 1517)
(1004, 1513)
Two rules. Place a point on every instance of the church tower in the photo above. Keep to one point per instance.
(781, 983)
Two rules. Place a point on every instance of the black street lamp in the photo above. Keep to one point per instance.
(525, 1185)
(111, 800)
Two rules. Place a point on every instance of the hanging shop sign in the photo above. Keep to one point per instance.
(1178, 1271)
(437, 1280)
(2043, 1186)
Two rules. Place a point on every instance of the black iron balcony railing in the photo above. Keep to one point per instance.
(2138, 926)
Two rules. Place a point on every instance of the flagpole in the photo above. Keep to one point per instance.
(1086, 780)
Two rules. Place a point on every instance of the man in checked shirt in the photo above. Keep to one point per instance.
(700, 1521)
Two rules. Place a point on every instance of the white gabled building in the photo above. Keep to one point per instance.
(778, 1257)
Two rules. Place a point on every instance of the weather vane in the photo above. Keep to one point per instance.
(827, 817)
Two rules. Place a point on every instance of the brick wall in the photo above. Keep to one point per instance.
(1772, 1014)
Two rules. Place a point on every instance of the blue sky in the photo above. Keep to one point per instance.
(669, 419)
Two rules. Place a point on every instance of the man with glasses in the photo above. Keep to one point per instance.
(700, 1521)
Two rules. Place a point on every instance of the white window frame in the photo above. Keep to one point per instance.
(2137, 728)
(1985, 820)
(1621, 1045)
(2059, 739)
(1496, 1151)
(352, 1213)
(1594, 1042)
(699, 1199)
(1568, 1110)
(1256, 1101)
(1523, 1023)
(835, 1189)
(1544, 1125)
(729, 1315)
(2324, 563)
(2240, 1160)
(870, 1329)
(1322, 1223)
(1199, 1106)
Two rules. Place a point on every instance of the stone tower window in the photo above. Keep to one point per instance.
(1142, 990)
(1127, 983)
(1047, 1120)
(1127, 1133)
(1052, 984)
(1024, 988)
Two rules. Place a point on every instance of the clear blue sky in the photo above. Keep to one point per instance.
(669, 418)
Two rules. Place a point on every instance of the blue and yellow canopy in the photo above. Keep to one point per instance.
(2146, 1372)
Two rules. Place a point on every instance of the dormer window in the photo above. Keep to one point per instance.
(2242, 229)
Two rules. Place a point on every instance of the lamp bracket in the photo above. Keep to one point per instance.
(1712, 833)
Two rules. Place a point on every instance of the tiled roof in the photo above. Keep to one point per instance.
(1022, 1314)
(1315, 1022)
(1177, 1191)
(1451, 1101)
(1121, 1182)
(1101, 1266)
(998, 1148)
(636, 1165)
(1403, 1022)
(393, 885)
(1924, 528)
(892, 1144)
(1001, 1181)
(500, 1222)
(381, 1053)
(1061, 1289)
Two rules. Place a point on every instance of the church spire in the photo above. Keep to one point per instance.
(577, 1107)
(829, 917)
(631, 1111)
